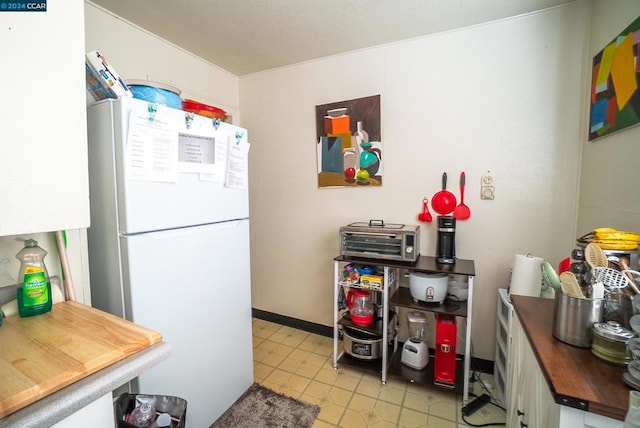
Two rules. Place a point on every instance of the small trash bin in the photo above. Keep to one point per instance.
(125, 403)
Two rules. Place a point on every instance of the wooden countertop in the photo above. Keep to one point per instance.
(43, 354)
(575, 376)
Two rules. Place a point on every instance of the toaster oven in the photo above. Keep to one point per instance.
(379, 240)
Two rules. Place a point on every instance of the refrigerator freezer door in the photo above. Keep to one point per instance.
(193, 286)
(144, 205)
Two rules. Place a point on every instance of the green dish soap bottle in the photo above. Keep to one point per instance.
(34, 293)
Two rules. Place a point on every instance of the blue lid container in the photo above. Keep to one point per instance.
(155, 92)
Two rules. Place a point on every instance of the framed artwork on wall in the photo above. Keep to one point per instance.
(615, 98)
(348, 143)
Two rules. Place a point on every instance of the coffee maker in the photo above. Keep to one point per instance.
(446, 244)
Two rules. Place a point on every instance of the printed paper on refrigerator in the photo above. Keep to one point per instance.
(237, 167)
(152, 148)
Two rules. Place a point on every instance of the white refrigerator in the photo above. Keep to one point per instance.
(169, 245)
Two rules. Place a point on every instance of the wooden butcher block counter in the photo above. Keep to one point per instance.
(575, 376)
(43, 354)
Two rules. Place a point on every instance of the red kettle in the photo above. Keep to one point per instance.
(360, 307)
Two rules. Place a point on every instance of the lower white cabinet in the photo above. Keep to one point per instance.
(529, 400)
(98, 414)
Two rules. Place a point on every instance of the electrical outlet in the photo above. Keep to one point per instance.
(487, 186)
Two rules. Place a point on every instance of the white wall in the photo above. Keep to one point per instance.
(503, 97)
(610, 172)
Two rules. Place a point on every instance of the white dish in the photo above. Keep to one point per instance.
(634, 321)
(458, 284)
(458, 291)
(631, 381)
(634, 369)
(633, 345)
(337, 112)
(458, 294)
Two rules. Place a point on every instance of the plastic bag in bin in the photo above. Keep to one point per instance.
(125, 403)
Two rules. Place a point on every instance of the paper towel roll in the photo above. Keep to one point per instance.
(526, 276)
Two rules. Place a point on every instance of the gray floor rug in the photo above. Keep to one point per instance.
(260, 407)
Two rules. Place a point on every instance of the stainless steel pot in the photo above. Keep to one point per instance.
(573, 319)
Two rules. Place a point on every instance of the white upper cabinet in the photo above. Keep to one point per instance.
(44, 182)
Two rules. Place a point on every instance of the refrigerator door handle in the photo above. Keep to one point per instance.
(191, 230)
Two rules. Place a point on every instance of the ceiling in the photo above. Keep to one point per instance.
(248, 36)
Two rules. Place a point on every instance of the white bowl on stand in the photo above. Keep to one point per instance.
(458, 291)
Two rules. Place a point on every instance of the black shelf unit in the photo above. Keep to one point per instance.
(395, 296)
(424, 376)
(373, 329)
(403, 298)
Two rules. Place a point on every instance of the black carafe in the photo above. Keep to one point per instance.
(446, 245)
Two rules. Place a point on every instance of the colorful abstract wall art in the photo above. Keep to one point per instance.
(348, 143)
(615, 98)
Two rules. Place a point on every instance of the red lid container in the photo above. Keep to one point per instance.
(203, 109)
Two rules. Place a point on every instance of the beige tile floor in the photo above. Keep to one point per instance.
(300, 364)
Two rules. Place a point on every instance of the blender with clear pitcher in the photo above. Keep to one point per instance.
(415, 352)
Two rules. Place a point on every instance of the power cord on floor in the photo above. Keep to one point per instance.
(475, 377)
(490, 424)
